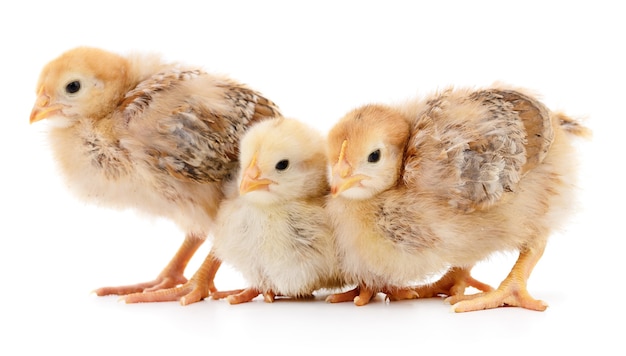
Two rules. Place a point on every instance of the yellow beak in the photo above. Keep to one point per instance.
(251, 181)
(43, 109)
(342, 178)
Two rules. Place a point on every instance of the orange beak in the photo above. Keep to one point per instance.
(251, 181)
(43, 109)
(342, 178)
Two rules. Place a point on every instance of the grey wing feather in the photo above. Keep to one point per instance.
(470, 149)
(535, 117)
(197, 137)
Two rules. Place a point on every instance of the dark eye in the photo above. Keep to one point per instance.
(374, 157)
(72, 87)
(282, 165)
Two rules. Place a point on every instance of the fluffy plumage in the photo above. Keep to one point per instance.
(136, 132)
(276, 231)
(441, 183)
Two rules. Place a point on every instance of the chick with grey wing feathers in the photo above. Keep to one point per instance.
(162, 138)
(276, 231)
(438, 184)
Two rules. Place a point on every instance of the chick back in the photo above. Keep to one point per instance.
(168, 148)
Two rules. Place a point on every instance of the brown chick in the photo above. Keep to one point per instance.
(276, 231)
(136, 132)
(440, 184)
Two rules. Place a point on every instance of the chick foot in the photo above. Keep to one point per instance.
(188, 293)
(511, 296)
(160, 283)
(453, 283)
(347, 296)
(170, 277)
(395, 294)
(239, 296)
(196, 289)
(511, 292)
(365, 296)
(360, 295)
(222, 294)
(342, 297)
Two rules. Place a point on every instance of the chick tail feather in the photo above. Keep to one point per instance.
(573, 126)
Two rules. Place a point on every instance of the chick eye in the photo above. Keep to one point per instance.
(374, 157)
(72, 87)
(282, 165)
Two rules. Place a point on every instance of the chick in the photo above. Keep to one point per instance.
(137, 132)
(437, 185)
(276, 231)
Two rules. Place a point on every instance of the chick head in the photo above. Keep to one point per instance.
(83, 82)
(282, 159)
(365, 149)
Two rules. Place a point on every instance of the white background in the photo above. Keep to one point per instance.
(317, 61)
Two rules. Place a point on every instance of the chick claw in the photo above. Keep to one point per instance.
(225, 293)
(197, 288)
(453, 283)
(360, 295)
(191, 292)
(239, 296)
(162, 282)
(401, 294)
(365, 296)
(172, 275)
(511, 292)
(494, 299)
(347, 296)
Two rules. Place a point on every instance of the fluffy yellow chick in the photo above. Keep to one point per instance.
(276, 231)
(136, 132)
(439, 184)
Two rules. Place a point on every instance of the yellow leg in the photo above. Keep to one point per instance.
(245, 296)
(269, 297)
(171, 276)
(511, 292)
(365, 296)
(362, 295)
(225, 293)
(395, 294)
(197, 288)
(347, 296)
(452, 283)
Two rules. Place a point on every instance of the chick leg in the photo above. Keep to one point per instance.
(511, 292)
(395, 294)
(171, 276)
(269, 297)
(452, 283)
(347, 296)
(238, 296)
(365, 296)
(360, 295)
(221, 294)
(197, 288)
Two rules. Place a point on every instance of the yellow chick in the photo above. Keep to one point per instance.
(136, 132)
(276, 231)
(440, 184)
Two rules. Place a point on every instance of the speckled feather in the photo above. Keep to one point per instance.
(195, 141)
(472, 158)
